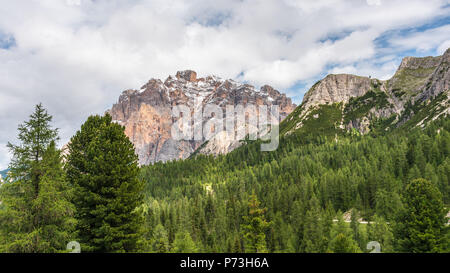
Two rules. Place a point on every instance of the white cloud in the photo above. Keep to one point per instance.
(374, 2)
(428, 40)
(382, 72)
(77, 59)
(443, 47)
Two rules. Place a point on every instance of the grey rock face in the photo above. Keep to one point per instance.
(336, 89)
(439, 81)
(417, 81)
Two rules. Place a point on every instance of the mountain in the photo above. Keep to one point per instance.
(355, 144)
(414, 96)
(3, 174)
(147, 113)
(417, 94)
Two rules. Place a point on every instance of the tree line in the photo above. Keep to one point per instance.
(91, 196)
(395, 187)
(303, 190)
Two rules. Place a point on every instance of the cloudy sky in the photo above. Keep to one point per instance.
(76, 56)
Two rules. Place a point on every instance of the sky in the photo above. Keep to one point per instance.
(77, 56)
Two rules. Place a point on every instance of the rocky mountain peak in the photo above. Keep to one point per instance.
(187, 75)
(147, 117)
(420, 85)
(419, 62)
(269, 90)
(336, 88)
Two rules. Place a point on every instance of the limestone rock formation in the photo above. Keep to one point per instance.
(147, 117)
(337, 88)
(416, 94)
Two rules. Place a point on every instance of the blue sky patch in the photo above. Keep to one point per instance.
(7, 41)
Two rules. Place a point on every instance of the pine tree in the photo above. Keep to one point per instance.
(254, 227)
(420, 226)
(102, 166)
(37, 214)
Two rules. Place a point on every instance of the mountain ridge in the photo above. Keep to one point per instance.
(415, 95)
(418, 83)
(147, 117)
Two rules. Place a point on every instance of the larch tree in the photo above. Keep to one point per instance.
(37, 213)
(254, 227)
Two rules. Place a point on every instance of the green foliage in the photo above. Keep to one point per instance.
(380, 231)
(301, 185)
(254, 227)
(342, 241)
(245, 201)
(422, 112)
(102, 167)
(183, 243)
(36, 213)
(313, 241)
(359, 107)
(408, 80)
(324, 121)
(388, 204)
(160, 240)
(421, 225)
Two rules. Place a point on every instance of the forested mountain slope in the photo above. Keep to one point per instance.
(417, 94)
(208, 197)
(356, 149)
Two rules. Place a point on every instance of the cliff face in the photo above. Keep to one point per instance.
(415, 95)
(335, 89)
(147, 113)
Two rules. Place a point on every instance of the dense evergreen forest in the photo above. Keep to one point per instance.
(315, 193)
(302, 189)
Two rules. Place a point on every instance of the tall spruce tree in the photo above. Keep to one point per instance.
(36, 214)
(102, 166)
(420, 225)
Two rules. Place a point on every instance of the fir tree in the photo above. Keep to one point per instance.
(102, 167)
